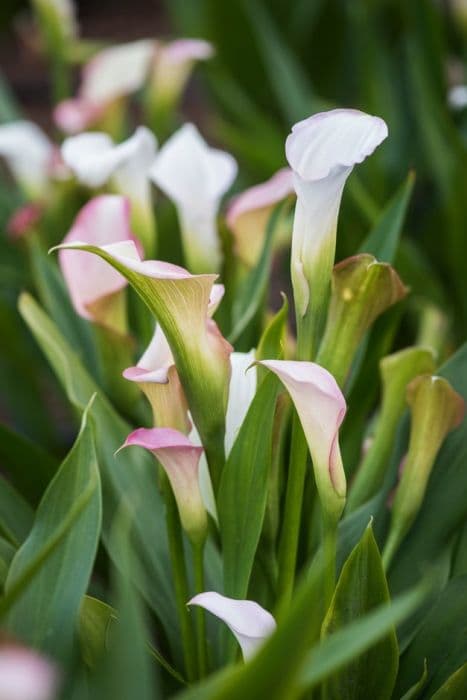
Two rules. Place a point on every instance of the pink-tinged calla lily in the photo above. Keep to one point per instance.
(26, 675)
(24, 219)
(180, 303)
(96, 288)
(249, 212)
(96, 160)
(322, 151)
(180, 459)
(249, 622)
(321, 408)
(195, 176)
(29, 155)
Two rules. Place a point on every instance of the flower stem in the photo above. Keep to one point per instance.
(200, 619)
(177, 558)
(330, 550)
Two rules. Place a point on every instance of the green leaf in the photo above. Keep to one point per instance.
(254, 287)
(243, 490)
(95, 621)
(271, 343)
(362, 587)
(16, 515)
(455, 687)
(345, 645)
(7, 552)
(28, 465)
(441, 640)
(45, 613)
(383, 240)
(416, 689)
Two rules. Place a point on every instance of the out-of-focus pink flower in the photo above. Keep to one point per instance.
(24, 219)
(26, 675)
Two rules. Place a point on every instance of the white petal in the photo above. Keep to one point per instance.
(332, 140)
(116, 71)
(24, 675)
(28, 153)
(241, 393)
(250, 623)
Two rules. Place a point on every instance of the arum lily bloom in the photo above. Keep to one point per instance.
(241, 393)
(25, 675)
(96, 290)
(321, 408)
(110, 75)
(362, 289)
(195, 177)
(96, 160)
(322, 151)
(249, 622)
(180, 304)
(436, 409)
(179, 458)
(29, 155)
(397, 371)
(249, 212)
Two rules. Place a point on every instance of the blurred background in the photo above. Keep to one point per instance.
(278, 61)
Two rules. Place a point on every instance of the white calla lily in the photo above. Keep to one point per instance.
(249, 622)
(195, 176)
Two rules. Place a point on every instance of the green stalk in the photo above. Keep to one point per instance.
(330, 551)
(200, 618)
(177, 559)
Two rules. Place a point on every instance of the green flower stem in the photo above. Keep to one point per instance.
(288, 544)
(330, 550)
(177, 558)
(200, 618)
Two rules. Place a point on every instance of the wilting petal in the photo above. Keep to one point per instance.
(95, 160)
(249, 622)
(179, 458)
(435, 409)
(249, 212)
(25, 675)
(93, 285)
(321, 408)
(180, 304)
(195, 177)
(28, 153)
(322, 151)
(241, 393)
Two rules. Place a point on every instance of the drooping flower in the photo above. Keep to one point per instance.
(249, 622)
(179, 458)
(435, 409)
(249, 212)
(180, 303)
(94, 287)
(195, 176)
(95, 160)
(25, 675)
(321, 409)
(29, 155)
(322, 151)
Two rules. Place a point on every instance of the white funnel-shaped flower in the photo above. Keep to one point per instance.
(28, 154)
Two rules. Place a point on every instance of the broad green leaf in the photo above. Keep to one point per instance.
(243, 490)
(16, 515)
(28, 465)
(253, 289)
(414, 692)
(7, 552)
(130, 475)
(455, 687)
(345, 645)
(45, 613)
(362, 587)
(383, 240)
(441, 640)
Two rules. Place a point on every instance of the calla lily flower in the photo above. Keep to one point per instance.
(321, 409)
(96, 160)
(29, 155)
(180, 304)
(322, 151)
(241, 393)
(179, 458)
(95, 288)
(195, 177)
(248, 215)
(249, 622)
(25, 675)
